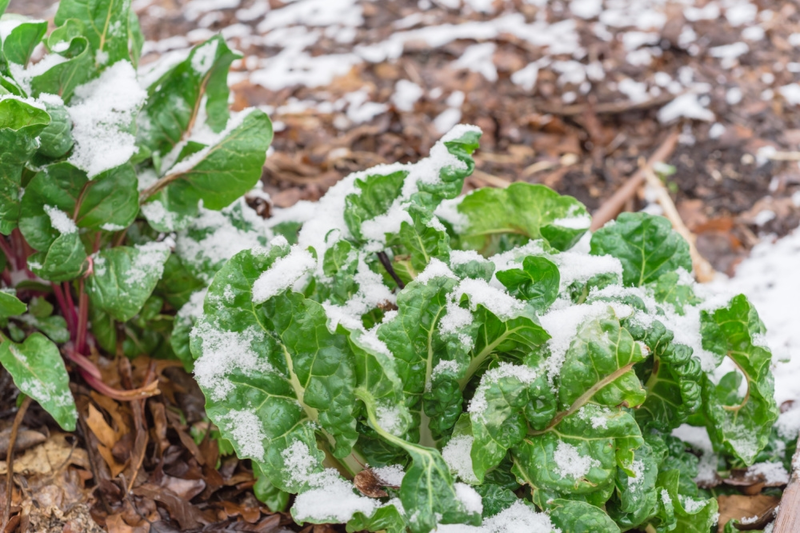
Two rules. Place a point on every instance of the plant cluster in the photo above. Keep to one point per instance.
(480, 363)
(105, 176)
(396, 356)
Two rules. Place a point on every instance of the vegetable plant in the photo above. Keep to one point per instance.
(479, 362)
(396, 357)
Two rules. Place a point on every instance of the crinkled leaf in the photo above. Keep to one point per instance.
(603, 438)
(636, 498)
(670, 288)
(499, 219)
(646, 245)
(536, 282)
(383, 190)
(502, 424)
(673, 384)
(38, 371)
(679, 512)
(423, 239)
(123, 278)
(517, 337)
(742, 426)
(300, 376)
(418, 346)
(176, 98)
(427, 485)
(599, 366)
(19, 44)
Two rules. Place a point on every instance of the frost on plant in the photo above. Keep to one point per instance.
(480, 345)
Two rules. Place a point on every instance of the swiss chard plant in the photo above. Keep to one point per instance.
(106, 175)
(395, 357)
(414, 360)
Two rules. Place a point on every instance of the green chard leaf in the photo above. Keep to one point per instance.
(499, 219)
(109, 201)
(19, 44)
(20, 125)
(38, 371)
(10, 305)
(217, 174)
(56, 139)
(63, 77)
(176, 98)
(674, 382)
(741, 424)
(646, 245)
(123, 278)
(105, 26)
(536, 282)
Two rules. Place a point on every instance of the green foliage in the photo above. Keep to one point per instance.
(542, 372)
(482, 348)
(83, 232)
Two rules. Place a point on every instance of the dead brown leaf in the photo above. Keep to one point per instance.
(739, 507)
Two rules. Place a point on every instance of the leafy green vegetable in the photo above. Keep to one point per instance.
(487, 367)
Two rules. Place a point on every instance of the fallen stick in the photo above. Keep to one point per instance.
(788, 520)
(10, 459)
(612, 207)
(703, 270)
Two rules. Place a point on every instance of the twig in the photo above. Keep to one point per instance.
(490, 179)
(613, 205)
(10, 458)
(783, 156)
(703, 270)
(384, 259)
(788, 520)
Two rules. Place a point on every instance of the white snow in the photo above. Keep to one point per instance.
(516, 518)
(457, 456)
(60, 220)
(246, 431)
(330, 497)
(283, 274)
(684, 106)
(479, 58)
(391, 475)
(102, 112)
(406, 94)
(791, 93)
(570, 463)
(472, 501)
